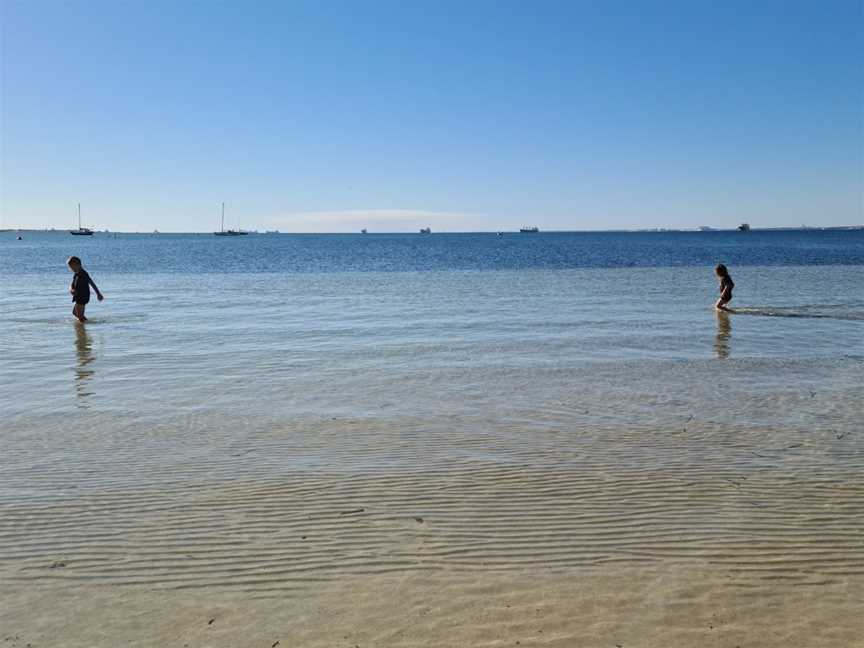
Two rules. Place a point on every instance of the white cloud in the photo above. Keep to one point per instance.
(374, 220)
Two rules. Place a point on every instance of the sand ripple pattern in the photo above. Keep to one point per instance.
(785, 514)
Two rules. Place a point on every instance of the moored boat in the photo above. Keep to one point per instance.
(81, 231)
(229, 232)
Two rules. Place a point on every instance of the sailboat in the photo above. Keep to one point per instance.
(81, 231)
(229, 232)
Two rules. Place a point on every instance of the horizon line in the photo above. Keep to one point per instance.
(696, 229)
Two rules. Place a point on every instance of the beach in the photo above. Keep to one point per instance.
(423, 441)
(431, 324)
(475, 557)
(620, 607)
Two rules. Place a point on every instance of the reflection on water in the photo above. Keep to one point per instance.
(84, 353)
(724, 334)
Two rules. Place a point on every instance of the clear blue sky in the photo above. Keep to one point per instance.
(468, 115)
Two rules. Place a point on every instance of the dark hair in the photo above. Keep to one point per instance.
(73, 260)
(721, 270)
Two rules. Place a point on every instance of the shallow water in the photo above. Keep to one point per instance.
(555, 411)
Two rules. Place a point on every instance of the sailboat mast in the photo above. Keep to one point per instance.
(79, 216)
(222, 228)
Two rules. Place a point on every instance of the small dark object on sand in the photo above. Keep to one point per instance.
(352, 511)
(840, 436)
(55, 565)
(275, 643)
(210, 622)
(418, 519)
(761, 456)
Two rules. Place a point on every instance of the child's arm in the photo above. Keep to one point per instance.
(99, 295)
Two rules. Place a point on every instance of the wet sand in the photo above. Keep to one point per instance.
(669, 605)
(487, 556)
(440, 459)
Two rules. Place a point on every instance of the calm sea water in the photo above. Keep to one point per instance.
(273, 326)
(218, 361)
(311, 254)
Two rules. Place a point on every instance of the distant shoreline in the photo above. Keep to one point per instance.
(657, 230)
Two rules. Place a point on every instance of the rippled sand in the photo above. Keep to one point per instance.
(675, 605)
(438, 459)
(731, 546)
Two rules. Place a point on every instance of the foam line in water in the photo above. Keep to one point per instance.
(771, 311)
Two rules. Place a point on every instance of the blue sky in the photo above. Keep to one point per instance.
(331, 116)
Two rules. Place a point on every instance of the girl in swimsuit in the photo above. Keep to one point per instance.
(726, 286)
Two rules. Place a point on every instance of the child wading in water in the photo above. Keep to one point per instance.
(726, 286)
(80, 288)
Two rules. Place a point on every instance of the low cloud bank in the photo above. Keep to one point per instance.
(380, 220)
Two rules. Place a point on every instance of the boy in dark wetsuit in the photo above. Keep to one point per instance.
(726, 286)
(80, 288)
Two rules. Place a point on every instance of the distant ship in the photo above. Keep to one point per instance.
(229, 232)
(81, 231)
(705, 228)
(425, 230)
(529, 230)
(744, 227)
(363, 231)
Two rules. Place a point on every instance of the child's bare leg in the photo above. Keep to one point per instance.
(81, 308)
(721, 304)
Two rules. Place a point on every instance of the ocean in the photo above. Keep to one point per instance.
(553, 402)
